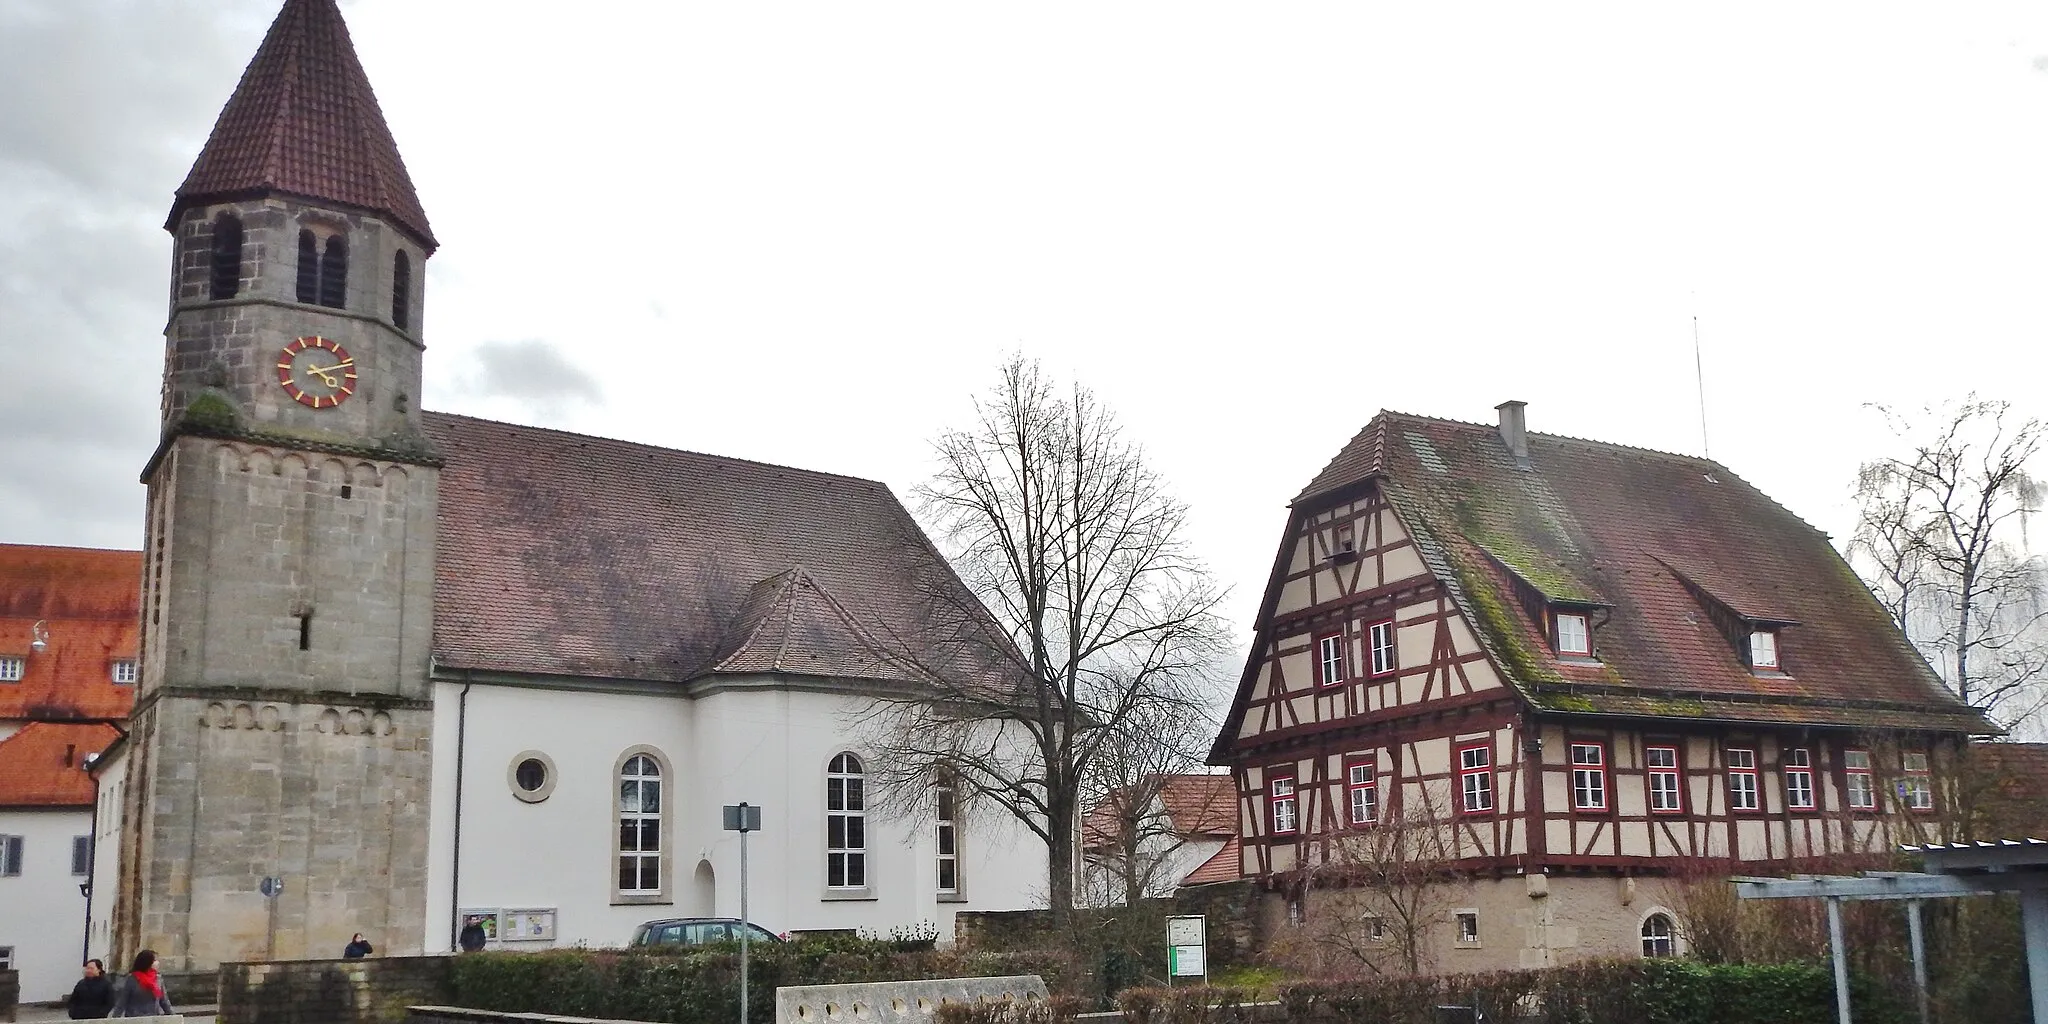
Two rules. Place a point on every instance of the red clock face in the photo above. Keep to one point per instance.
(317, 372)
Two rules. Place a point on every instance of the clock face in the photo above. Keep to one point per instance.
(317, 372)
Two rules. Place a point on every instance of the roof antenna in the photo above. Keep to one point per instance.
(1700, 378)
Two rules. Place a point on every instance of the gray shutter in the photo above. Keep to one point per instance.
(81, 855)
(10, 855)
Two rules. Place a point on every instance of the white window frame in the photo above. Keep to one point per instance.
(1466, 921)
(1916, 785)
(946, 837)
(1666, 782)
(6, 958)
(1361, 793)
(641, 769)
(1652, 936)
(1475, 779)
(846, 823)
(1859, 786)
(1579, 639)
(1380, 638)
(124, 672)
(1589, 777)
(1744, 792)
(1330, 659)
(1763, 648)
(1283, 802)
(1798, 770)
(12, 668)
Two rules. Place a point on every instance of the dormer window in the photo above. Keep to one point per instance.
(1763, 649)
(1574, 634)
(124, 673)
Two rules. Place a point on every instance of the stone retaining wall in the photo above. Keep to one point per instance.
(375, 990)
(1236, 932)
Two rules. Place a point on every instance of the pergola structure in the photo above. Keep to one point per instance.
(1953, 869)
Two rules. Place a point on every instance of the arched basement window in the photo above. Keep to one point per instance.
(1657, 936)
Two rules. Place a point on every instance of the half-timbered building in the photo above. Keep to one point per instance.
(1583, 670)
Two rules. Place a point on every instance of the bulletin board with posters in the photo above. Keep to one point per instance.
(479, 916)
(527, 924)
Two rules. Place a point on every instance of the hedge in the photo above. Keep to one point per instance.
(1596, 992)
(700, 985)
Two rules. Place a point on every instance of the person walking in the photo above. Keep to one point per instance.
(357, 948)
(472, 937)
(93, 996)
(141, 993)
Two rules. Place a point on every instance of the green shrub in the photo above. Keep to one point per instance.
(700, 984)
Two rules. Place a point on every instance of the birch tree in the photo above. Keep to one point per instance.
(1083, 614)
(1940, 540)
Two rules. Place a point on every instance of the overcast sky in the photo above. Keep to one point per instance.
(807, 232)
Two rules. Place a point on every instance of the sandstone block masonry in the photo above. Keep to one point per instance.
(373, 991)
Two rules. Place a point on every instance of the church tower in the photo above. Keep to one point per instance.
(281, 726)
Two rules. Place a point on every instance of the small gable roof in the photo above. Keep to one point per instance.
(43, 765)
(565, 554)
(1677, 555)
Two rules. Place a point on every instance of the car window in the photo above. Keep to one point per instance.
(671, 935)
(706, 932)
(756, 933)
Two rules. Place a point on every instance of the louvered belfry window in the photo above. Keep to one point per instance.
(334, 272)
(309, 267)
(401, 288)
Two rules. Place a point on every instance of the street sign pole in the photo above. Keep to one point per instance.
(743, 818)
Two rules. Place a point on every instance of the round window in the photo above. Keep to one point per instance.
(531, 776)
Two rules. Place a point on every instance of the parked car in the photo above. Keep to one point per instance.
(698, 931)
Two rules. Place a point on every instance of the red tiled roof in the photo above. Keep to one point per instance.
(1226, 866)
(567, 554)
(1660, 539)
(43, 765)
(1193, 805)
(88, 601)
(2017, 803)
(305, 122)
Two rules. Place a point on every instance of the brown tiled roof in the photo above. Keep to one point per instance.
(88, 601)
(567, 554)
(1226, 866)
(43, 765)
(305, 122)
(2017, 799)
(1194, 805)
(1659, 539)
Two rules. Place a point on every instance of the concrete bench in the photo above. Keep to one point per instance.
(897, 1002)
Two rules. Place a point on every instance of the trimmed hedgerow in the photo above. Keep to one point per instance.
(700, 985)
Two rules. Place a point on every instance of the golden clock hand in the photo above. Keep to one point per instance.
(326, 373)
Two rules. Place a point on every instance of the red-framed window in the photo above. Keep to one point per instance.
(1916, 789)
(1361, 791)
(1859, 789)
(1763, 649)
(1330, 658)
(1743, 793)
(1574, 634)
(1589, 777)
(1475, 779)
(1799, 779)
(1283, 807)
(1379, 639)
(1660, 770)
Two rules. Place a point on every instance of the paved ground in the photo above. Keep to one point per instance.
(32, 1014)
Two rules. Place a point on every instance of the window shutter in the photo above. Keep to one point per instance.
(81, 855)
(10, 855)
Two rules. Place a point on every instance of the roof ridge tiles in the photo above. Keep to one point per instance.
(664, 449)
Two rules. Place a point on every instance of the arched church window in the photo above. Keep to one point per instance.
(334, 272)
(227, 256)
(1658, 940)
(846, 824)
(309, 267)
(640, 821)
(401, 288)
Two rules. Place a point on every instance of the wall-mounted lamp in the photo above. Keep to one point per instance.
(39, 637)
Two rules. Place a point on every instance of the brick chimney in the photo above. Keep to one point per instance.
(1514, 431)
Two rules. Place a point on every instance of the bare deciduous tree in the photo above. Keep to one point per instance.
(1083, 613)
(1938, 539)
(1387, 888)
(1132, 844)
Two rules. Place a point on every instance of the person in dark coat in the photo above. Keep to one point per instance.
(93, 996)
(141, 993)
(472, 937)
(357, 948)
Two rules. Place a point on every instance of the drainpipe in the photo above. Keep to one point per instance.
(455, 870)
(92, 854)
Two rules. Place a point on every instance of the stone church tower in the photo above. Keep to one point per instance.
(282, 722)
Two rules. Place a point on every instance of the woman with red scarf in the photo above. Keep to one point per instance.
(141, 993)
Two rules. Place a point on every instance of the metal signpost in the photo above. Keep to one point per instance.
(1186, 948)
(743, 818)
(271, 887)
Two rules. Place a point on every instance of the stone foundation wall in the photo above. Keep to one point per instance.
(1236, 930)
(376, 990)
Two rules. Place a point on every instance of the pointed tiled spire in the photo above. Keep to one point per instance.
(304, 122)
